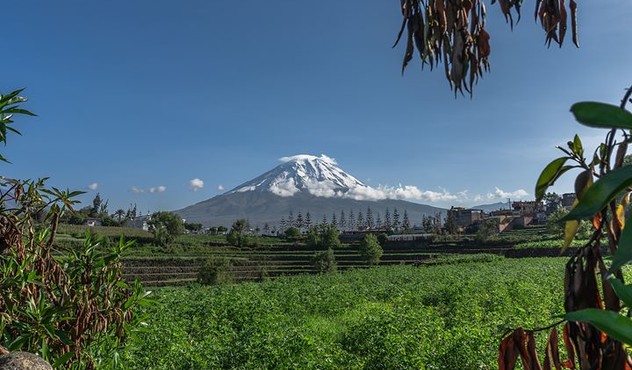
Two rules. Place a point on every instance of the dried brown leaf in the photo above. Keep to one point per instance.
(552, 354)
(573, 8)
(508, 353)
(563, 22)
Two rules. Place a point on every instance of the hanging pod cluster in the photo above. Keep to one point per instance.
(596, 329)
(453, 32)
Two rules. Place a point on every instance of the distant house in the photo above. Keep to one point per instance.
(527, 208)
(465, 217)
(568, 199)
(92, 222)
(409, 237)
(139, 222)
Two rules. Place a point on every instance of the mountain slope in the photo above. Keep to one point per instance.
(301, 184)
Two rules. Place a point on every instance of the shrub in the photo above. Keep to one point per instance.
(370, 249)
(216, 270)
(325, 261)
(69, 305)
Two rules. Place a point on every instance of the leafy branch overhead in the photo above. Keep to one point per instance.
(453, 32)
(597, 332)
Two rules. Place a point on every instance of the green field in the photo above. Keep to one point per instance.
(178, 263)
(395, 317)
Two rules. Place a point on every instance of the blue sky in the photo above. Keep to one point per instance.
(140, 95)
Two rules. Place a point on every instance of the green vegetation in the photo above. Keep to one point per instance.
(323, 236)
(442, 317)
(68, 305)
(370, 249)
(238, 234)
(216, 270)
(595, 292)
(165, 226)
(325, 261)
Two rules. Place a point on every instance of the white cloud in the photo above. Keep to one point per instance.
(220, 187)
(158, 189)
(501, 194)
(401, 192)
(134, 189)
(411, 192)
(321, 188)
(285, 188)
(308, 157)
(93, 186)
(196, 184)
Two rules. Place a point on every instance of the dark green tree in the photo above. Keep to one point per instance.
(361, 223)
(450, 225)
(325, 261)
(193, 227)
(552, 201)
(216, 270)
(351, 222)
(370, 222)
(308, 221)
(165, 226)
(396, 222)
(427, 224)
(487, 230)
(370, 249)
(300, 222)
(342, 222)
(323, 236)
(119, 214)
(293, 234)
(406, 222)
(238, 234)
(388, 223)
(96, 206)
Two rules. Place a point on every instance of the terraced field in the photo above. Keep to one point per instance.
(252, 265)
(179, 263)
(257, 265)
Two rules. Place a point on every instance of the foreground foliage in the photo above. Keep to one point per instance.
(68, 305)
(595, 333)
(453, 33)
(440, 317)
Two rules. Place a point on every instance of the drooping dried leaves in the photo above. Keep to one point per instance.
(78, 301)
(453, 32)
(586, 346)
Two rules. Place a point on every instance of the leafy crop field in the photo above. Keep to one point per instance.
(393, 317)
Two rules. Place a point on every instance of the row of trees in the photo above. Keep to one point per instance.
(349, 221)
(99, 210)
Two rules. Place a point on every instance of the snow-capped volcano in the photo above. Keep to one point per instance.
(319, 176)
(304, 183)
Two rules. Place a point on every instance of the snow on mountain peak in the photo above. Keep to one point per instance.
(321, 176)
(318, 176)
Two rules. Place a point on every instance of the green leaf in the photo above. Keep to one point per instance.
(63, 359)
(623, 291)
(548, 176)
(602, 115)
(617, 326)
(601, 193)
(623, 254)
(15, 110)
(570, 229)
(577, 145)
